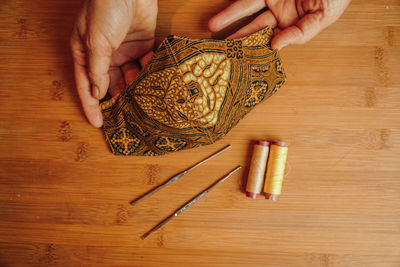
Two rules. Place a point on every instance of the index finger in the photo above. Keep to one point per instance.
(234, 12)
(89, 103)
(303, 31)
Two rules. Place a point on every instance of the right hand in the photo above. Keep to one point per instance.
(109, 39)
(296, 21)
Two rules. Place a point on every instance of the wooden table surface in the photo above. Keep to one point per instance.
(64, 198)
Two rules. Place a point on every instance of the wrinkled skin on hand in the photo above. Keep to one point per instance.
(110, 39)
(113, 39)
(297, 21)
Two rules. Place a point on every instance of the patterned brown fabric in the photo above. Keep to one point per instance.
(191, 93)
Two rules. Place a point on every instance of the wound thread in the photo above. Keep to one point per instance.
(275, 170)
(255, 180)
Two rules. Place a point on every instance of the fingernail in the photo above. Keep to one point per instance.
(95, 92)
(99, 120)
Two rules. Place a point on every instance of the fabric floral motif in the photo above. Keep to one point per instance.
(234, 49)
(277, 86)
(279, 66)
(170, 143)
(256, 93)
(191, 93)
(124, 142)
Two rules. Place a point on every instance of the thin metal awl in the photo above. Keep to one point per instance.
(179, 175)
(191, 202)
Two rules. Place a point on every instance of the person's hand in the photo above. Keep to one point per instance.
(108, 40)
(297, 21)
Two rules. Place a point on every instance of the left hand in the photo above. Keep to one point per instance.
(109, 39)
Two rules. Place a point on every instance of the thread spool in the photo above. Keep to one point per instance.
(275, 170)
(255, 180)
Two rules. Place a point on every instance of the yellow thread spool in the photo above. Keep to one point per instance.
(275, 170)
(258, 163)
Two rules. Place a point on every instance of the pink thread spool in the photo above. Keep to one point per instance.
(255, 180)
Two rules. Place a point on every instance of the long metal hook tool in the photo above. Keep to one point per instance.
(191, 202)
(179, 175)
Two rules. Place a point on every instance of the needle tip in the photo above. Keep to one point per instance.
(143, 237)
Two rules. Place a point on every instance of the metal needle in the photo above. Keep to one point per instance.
(191, 202)
(179, 175)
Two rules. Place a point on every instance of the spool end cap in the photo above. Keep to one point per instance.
(251, 195)
(272, 197)
(262, 143)
(279, 143)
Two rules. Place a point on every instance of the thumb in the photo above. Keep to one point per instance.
(303, 31)
(99, 59)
